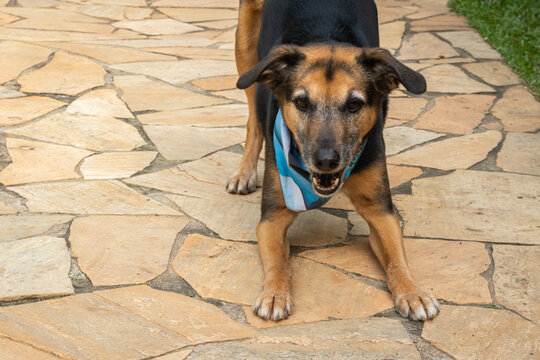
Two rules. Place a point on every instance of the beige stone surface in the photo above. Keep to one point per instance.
(113, 250)
(47, 24)
(101, 102)
(399, 138)
(339, 201)
(7, 93)
(115, 164)
(64, 74)
(210, 116)
(398, 175)
(450, 269)
(520, 153)
(390, 34)
(193, 319)
(406, 108)
(199, 4)
(473, 205)
(195, 53)
(6, 18)
(6, 209)
(458, 114)
(218, 24)
(317, 228)
(17, 56)
(235, 94)
(494, 73)
(454, 153)
(12, 350)
(194, 14)
(14, 111)
(100, 133)
(471, 42)
(34, 267)
(516, 279)
(133, 13)
(177, 355)
(387, 12)
(518, 110)
(158, 41)
(157, 26)
(88, 327)
(17, 227)
(360, 226)
(448, 78)
(440, 23)
(467, 332)
(176, 142)
(34, 161)
(425, 46)
(89, 197)
(217, 83)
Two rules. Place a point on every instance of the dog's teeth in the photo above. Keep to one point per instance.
(335, 182)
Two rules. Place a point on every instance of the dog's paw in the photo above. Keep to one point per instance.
(242, 182)
(273, 305)
(419, 306)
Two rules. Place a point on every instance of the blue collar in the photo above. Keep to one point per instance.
(293, 174)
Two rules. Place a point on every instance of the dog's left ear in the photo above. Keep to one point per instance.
(387, 71)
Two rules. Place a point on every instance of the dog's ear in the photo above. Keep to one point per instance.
(387, 71)
(275, 69)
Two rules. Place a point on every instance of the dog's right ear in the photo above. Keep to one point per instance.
(275, 69)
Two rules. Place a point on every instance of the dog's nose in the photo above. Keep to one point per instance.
(326, 159)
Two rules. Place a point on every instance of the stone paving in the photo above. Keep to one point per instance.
(119, 125)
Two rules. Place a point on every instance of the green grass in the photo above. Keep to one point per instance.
(510, 26)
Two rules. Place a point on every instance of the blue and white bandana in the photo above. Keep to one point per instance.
(294, 176)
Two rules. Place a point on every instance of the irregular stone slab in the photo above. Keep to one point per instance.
(458, 114)
(179, 72)
(89, 197)
(471, 42)
(450, 269)
(467, 332)
(237, 95)
(34, 161)
(195, 53)
(101, 102)
(339, 201)
(133, 13)
(34, 267)
(336, 339)
(425, 46)
(51, 14)
(217, 83)
(454, 153)
(218, 24)
(448, 78)
(473, 205)
(65, 74)
(440, 22)
(6, 18)
(398, 175)
(175, 40)
(18, 110)
(391, 34)
(227, 36)
(230, 4)
(520, 153)
(320, 292)
(5, 209)
(22, 226)
(360, 226)
(518, 110)
(157, 26)
(193, 319)
(86, 326)
(194, 15)
(494, 73)
(399, 138)
(317, 228)
(516, 279)
(388, 13)
(406, 108)
(98, 133)
(211, 116)
(195, 142)
(12, 350)
(17, 56)
(7, 93)
(113, 250)
(116, 165)
(178, 355)
(162, 97)
(46, 24)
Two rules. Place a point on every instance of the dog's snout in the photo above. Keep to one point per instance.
(326, 159)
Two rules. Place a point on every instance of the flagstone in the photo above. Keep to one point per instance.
(217, 83)
(36, 35)
(7, 93)
(86, 326)
(162, 97)
(339, 201)
(424, 14)
(197, 15)
(195, 320)
(64, 74)
(391, 13)
(399, 138)
(448, 78)
(454, 153)
(34, 161)
(359, 225)
(176, 40)
(89, 197)
(7, 19)
(450, 269)
(34, 267)
(176, 142)
(471, 42)
(406, 108)
(14, 111)
(199, 4)
(115, 165)
(440, 23)
(101, 102)
(17, 56)
(22, 226)
(520, 153)
(236, 94)
(47, 24)
(447, 61)
(391, 34)
(99, 133)
(518, 110)
(114, 12)
(157, 26)
(50, 14)
(494, 73)
(473, 205)
(195, 53)
(113, 250)
(227, 36)
(136, 13)
(398, 175)
(177, 355)
(458, 114)
(210, 116)
(12, 350)
(218, 24)
(467, 332)
(6, 209)
(425, 46)
(516, 279)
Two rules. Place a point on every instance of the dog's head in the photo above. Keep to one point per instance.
(330, 97)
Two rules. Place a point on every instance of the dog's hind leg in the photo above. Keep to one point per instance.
(369, 191)
(244, 180)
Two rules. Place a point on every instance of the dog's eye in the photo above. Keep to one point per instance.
(354, 105)
(301, 103)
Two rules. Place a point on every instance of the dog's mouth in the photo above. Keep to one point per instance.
(326, 184)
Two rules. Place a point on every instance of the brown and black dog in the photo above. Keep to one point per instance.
(321, 66)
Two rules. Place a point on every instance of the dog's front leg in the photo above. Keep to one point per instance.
(370, 193)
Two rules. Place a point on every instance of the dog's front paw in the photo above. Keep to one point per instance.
(242, 182)
(273, 305)
(417, 305)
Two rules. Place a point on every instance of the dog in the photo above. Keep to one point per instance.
(317, 86)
